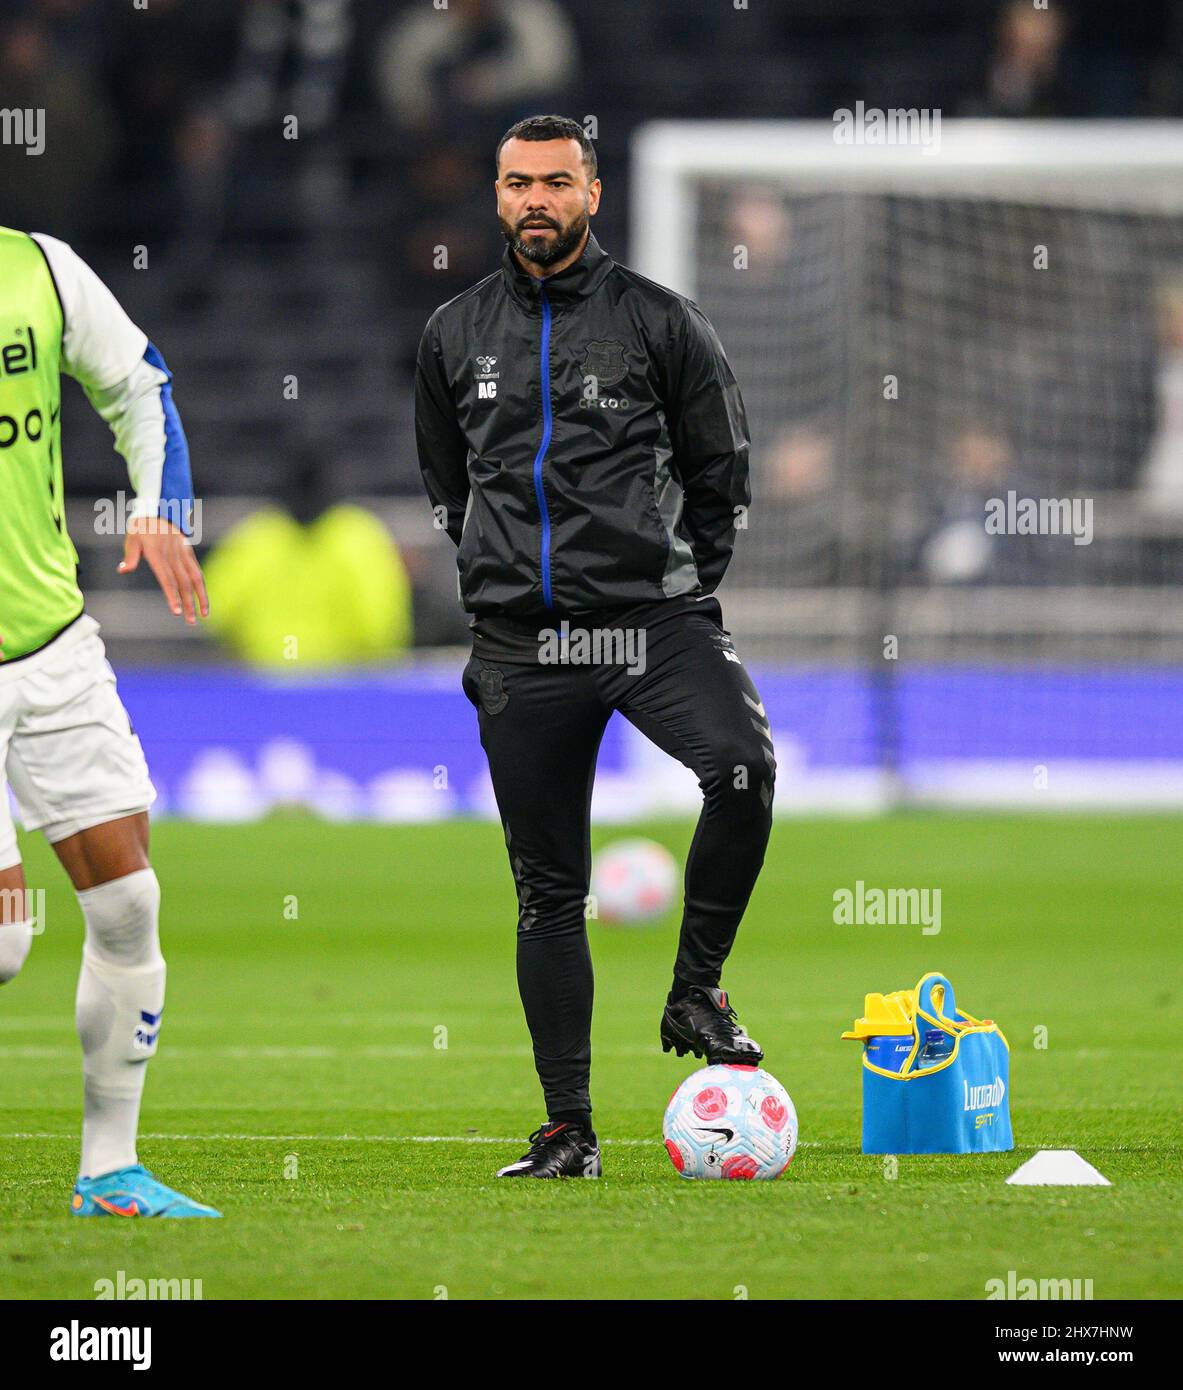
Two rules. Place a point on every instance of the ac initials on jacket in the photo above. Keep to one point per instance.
(485, 390)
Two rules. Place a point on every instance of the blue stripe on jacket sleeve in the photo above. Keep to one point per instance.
(176, 483)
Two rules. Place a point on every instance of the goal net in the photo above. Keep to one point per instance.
(963, 367)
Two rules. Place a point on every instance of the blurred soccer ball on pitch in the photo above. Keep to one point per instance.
(633, 881)
(730, 1122)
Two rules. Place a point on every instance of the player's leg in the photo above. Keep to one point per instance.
(695, 700)
(541, 728)
(16, 931)
(16, 925)
(120, 996)
(79, 775)
(101, 853)
(16, 928)
(119, 1007)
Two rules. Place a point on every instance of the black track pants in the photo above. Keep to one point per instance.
(541, 727)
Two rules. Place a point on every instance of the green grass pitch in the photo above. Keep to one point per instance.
(300, 1088)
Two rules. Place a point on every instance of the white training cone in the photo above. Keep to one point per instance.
(1057, 1168)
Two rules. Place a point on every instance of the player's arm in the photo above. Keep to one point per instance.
(126, 380)
(709, 438)
(443, 450)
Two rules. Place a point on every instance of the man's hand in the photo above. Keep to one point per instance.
(170, 558)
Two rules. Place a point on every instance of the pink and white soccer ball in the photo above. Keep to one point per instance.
(634, 881)
(730, 1122)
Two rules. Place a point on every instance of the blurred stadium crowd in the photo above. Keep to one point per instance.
(271, 257)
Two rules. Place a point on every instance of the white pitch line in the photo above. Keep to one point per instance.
(330, 1138)
(280, 1052)
(267, 1052)
(352, 1139)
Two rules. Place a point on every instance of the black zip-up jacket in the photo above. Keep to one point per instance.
(582, 439)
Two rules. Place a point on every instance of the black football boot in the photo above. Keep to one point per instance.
(704, 1023)
(558, 1150)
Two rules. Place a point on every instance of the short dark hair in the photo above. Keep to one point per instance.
(552, 128)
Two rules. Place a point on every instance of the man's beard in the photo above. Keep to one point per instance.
(546, 252)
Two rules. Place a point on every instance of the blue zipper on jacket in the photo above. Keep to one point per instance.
(542, 448)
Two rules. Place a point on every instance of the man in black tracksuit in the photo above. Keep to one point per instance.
(583, 442)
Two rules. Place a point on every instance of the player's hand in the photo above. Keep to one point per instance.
(170, 558)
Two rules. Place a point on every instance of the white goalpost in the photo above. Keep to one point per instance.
(961, 349)
(1133, 163)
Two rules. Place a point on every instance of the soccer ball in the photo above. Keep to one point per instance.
(730, 1122)
(634, 881)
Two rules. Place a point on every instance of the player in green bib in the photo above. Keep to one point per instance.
(66, 744)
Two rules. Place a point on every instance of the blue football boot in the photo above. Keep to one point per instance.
(132, 1192)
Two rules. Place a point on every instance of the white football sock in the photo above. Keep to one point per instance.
(15, 940)
(120, 1000)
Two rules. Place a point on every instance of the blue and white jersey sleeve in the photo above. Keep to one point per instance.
(126, 380)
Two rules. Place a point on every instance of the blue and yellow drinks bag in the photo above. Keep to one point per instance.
(936, 1080)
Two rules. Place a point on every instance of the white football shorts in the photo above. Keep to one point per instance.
(66, 743)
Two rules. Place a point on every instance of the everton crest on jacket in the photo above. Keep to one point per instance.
(582, 438)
